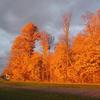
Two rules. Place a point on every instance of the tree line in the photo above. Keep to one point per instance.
(75, 62)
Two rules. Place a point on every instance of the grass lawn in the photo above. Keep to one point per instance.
(20, 94)
(46, 85)
(9, 93)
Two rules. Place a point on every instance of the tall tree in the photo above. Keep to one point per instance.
(87, 55)
(21, 52)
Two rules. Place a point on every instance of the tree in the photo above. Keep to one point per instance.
(21, 52)
(87, 55)
(45, 43)
(76, 63)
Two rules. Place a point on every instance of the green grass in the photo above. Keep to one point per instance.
(20, 94)
(46, 85)
(10, 93)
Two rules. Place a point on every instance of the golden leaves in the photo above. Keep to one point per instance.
(79, 63)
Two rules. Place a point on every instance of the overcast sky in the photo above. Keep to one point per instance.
(47, 14)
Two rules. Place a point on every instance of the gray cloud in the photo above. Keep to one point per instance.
(6, 40)
(15, 13)
(47, 14)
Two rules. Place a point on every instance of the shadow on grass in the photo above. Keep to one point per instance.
(21, 94)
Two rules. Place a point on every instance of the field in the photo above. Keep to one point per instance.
(44, 91)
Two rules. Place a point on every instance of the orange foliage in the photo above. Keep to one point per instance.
(86, 49)
(79, 63)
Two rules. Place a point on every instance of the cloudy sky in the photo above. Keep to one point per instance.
(47, 14)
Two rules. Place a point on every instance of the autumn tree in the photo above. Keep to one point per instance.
(58, 63)
(61, 57)
(45, 40)
(76, 63)
(21, 52)
(86, 48)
